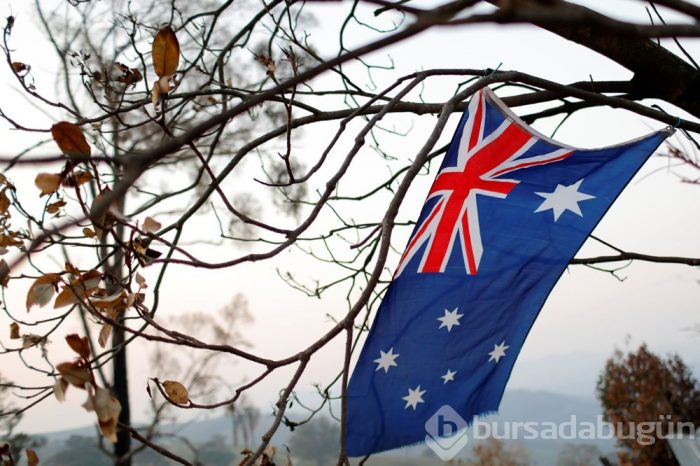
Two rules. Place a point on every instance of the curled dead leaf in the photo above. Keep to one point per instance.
(111, 315)
(14, 331)
(71, 140)
(150, 225)
(32, 457)
(76, 179)
(4, 201)
(165, 52)
(176, 392)
(19, 67)
(144, 254)
(79, 289)
(10, 239)
(155, 94)
(48, 183)
(75, 374)
(42, 290)
(59, 389)
(55, 207)
(115, 301)
(135, 298)
(121, 73)
(71, 269)
(105, 333)
(79, 345)
(107, 408)
(29, 340)
(140, 281)
(4, 272)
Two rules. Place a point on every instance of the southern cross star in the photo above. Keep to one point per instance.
(498, 352)
(386, 360)
(449, 376)
(450, 319)
(415, 396)
(564, 198)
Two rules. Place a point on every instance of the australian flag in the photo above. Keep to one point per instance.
(507, 211)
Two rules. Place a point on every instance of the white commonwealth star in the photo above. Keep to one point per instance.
(498, 352)
(415, 396)
(386, 360)
(450, 319)
(449, 376)
(564, 198)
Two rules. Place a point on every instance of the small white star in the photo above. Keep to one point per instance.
(415, 396)
(450, 319)
(563, 198)
(386, 360)
(498, 352)
(449, 376)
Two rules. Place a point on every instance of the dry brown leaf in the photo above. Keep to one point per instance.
(59, 389)
(42, 290)
(79, 345)
(247, 454)
(4, 272)
(79, 289)
(91, 279)
(150, 225)
(176, 392)
(10, 240)
(70, 139)
(140, 281)
(65, 298)
(107, 408)
(32, 458)
(76, 179)
(144, 254)
(106, 330)
(105, 333)
(55, 207)
(88, 233)
(48, 183)
(155, 94)
(134, 298)
(14, 331)
(165, 52)
(19, 67)
(71, 269)
(75, 374)
(29, 340)
(164, 85)
(121, 73)
(113, 301)
(4, 201)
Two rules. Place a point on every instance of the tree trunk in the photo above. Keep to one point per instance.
(121, 391)
(120, 376)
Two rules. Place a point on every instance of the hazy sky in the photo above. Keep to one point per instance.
(586, 317)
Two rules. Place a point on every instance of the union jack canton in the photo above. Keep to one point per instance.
(507, 211)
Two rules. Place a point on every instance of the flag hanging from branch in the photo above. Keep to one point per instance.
(507, 211)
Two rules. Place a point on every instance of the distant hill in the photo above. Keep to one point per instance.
(576, 373)
(518, 406)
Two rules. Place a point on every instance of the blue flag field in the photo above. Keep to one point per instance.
(507, 211)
